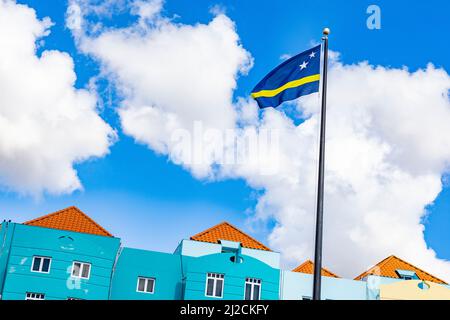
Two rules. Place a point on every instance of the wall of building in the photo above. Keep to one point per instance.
(298, 286)
(197, 249)
(63, 247)
(196, 269)
(385, 288)
(6, 232)
(414, 290)
(165, 268)
(373, 285)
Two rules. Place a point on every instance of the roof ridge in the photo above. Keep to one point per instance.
(207, 230)
(93, 221)
(391, 257)
(411, 265)
(233, 227)
(305, 262)
(58, 212)
(379, 264)
(245, 234)
(309, 261)
(50, 214)
(327, 270)
(301, 265)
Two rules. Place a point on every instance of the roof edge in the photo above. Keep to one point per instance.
(235, 228)
(332, 274)
(29, 222)
(385, 260)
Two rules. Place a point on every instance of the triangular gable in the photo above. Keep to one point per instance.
(71, 219)
(388, 267)
(308, 267)
(225, 231)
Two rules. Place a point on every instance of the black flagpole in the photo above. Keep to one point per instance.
(319, 217)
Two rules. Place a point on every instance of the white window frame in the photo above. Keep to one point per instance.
(146, 279)
(253, 282)
(34, 296)
(41, 264)
(215, 276)
(82, 264)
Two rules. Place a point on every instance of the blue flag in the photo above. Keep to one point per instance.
(296, 77)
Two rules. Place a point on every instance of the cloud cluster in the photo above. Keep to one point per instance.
(388, 145)
(46, 125)
(169, 75)
(388, 139)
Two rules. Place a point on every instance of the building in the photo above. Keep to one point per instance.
(63, 255)
(395, 279)
(66, 255)
(297, 285)
(219, 263)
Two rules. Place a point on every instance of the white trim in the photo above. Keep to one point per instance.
(146, 279)
(34, 296)
(41, 264)
(252, 282)
(82, 264)
(214, 276)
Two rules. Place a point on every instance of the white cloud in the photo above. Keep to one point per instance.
(147, 10)
(388, 139)
(46, 125)
(285, 56)
(170, 75)
(388, 144)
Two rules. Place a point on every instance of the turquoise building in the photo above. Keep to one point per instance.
(38, 262)
(66, 255)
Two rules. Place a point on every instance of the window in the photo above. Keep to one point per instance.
(214, 285)
(146, 285)
(34, 296)
(406, 274)
(252, 289)
(41, 264)
(81, 270)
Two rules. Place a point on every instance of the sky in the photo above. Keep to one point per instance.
(91, 93)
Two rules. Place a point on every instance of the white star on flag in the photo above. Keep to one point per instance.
(303, 65)
(312, 55)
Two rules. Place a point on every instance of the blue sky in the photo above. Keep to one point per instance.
(151, 203)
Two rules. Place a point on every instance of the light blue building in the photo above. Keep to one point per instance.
(66, 255)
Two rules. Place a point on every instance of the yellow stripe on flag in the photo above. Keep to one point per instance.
(289, 85)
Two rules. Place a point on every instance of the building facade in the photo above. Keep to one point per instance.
(66, 255)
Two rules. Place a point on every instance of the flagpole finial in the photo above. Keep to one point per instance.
(326, 31)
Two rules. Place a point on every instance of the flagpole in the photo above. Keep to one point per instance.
(319, 212)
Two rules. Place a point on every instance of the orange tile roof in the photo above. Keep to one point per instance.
(387, 267)
(72, 219)
(308, 267)
(225, 231)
